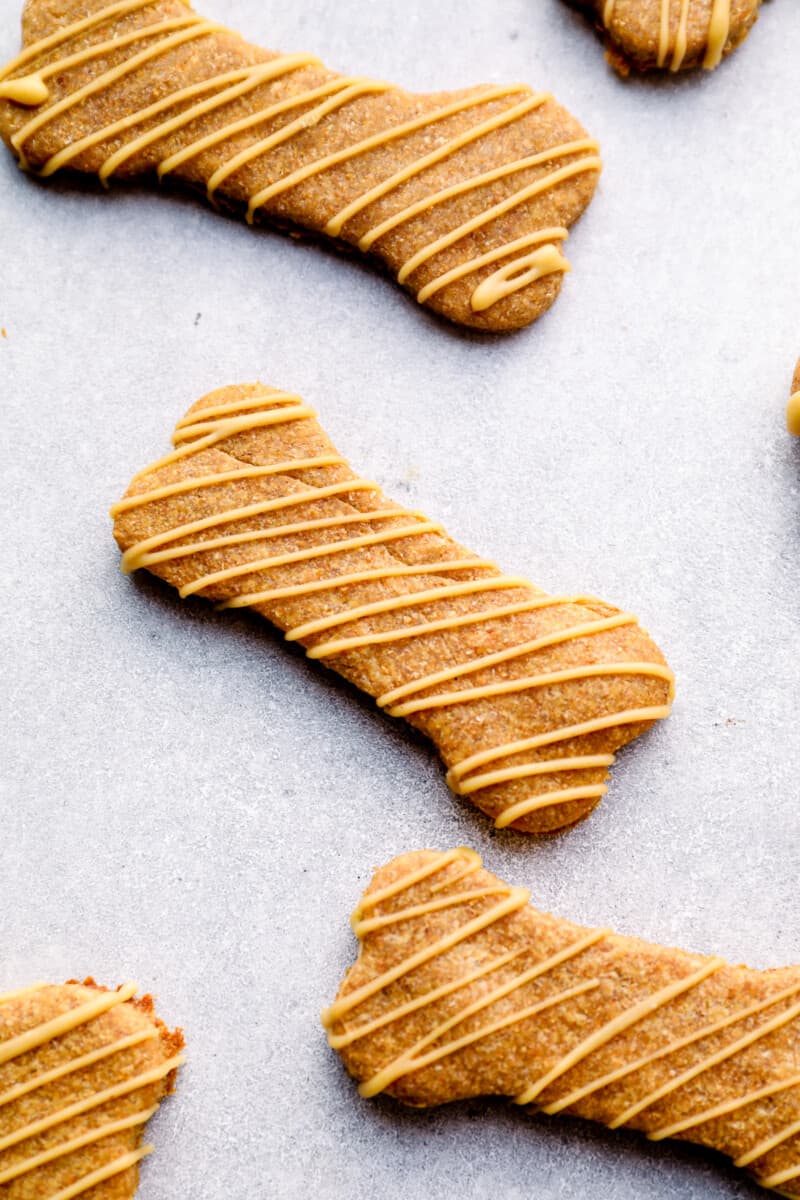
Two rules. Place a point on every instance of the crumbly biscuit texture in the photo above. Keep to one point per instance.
(461, 989)
(82, 1069)
(526, 695)
(793, 408)
(672, 35)
(465, 197)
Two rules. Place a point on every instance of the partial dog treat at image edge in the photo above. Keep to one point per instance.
(462, 989)
(527, 696)
(82, 1070)
(793, 407)
(671, 35)
(465, 197)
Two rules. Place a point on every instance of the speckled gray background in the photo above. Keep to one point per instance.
(188, 803)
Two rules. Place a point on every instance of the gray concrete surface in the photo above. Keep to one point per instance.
(186, 802)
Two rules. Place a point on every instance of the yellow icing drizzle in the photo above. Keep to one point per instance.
(48, 1031)
(793, 415)
(30, 92)
(718, 29)
(346, 580)
(326, 98)
(663, 33)
(77, 1143)
(380, 139)
(207, 427)
(81, 1106)
(220, 430)
(411, 600)
(65, 1022)
(557, 233)
(681, 37)
(344, 91)
(102, 1173)
(193, 485)
(189, 29)
(68, 32)
(378, 895)
(412, 1060)
(239, 83)
(517, 898)
(690, 1039)
(512, 652)
(340, 1040)
(713, 1060)
(547, 260)
(729, 1106)
(329, 548)
(526, 683)
(419, 1056)
(554, 765)
(341, 155)
(543, 184)
(143, 559)
(337, 223)
(619, 1024)
(20, 992)
(456, 774)
(412, 631)
(783, 1135)
(364, 925)
(76, 1064)
(780, 1177)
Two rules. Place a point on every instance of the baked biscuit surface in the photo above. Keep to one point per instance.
(465, 197)
(674, 35)
(526, 695)
(82, 1069)
(461, 989)
(793, 408)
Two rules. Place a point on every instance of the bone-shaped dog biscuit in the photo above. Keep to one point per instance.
(672, 35)
(527, 696)
(466, 197)
(461, 989)
(793, 408)
(82, 1069)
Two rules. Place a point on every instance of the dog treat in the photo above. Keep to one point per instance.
(462, 989)
(527, 696)
(82, 1069)
(673, 35)
(465, 196)
(793, 409)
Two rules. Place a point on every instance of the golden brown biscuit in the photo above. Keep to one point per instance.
(465, 196)
(82, 1068)
(526, 696)
(674, 35)
(462, 989)
(793, 408)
